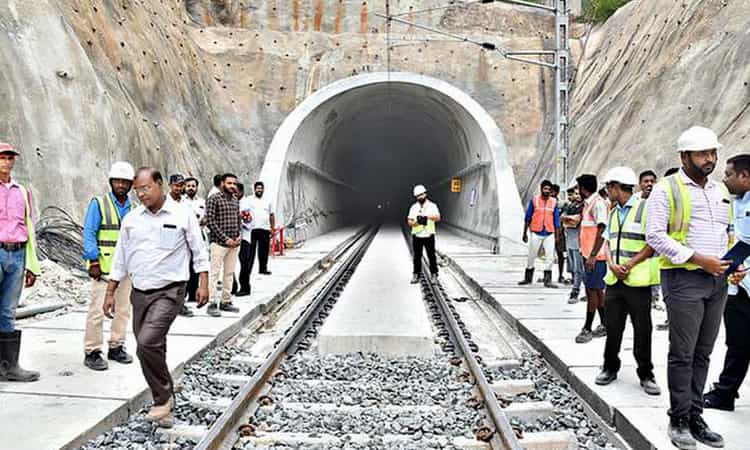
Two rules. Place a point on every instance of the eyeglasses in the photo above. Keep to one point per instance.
(144, 190)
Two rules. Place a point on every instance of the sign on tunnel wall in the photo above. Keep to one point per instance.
(455, 184)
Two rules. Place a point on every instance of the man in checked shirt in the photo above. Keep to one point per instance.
(223, 220)
(689, 226)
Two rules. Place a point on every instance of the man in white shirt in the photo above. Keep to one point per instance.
(157, 241)
(218, 187)
(422, 218)
(197, 205)
(257, 230)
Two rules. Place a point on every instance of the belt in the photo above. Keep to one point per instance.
(12, 246)
(163, 288)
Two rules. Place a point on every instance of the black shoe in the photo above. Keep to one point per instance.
(213, 310)
(415, 279)
(679, 433)
(715, 399)
(265, 272)
(528, 276)
(548, 280)
(242, 293)
(600, 331)
(185, 311)
(94, 361)
(700, 431)
(573, 299)
(605, 377)
(10, 348)
(229, 307)
(120, 355)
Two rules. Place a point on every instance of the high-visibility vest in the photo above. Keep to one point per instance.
(430, 228)
(680, 210)
(109, 232)
(32, 261)
(589, 230)
(627, 240)
(543, 218)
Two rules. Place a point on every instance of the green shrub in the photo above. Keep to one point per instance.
(600, 10)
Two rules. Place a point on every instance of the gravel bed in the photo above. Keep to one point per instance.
(138, 434)
(569, 411)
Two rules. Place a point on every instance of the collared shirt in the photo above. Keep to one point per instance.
(709, 221)
(155, 249)
(426, 209)
(197, 205)
(93, 221)
(742, 233)
(212, 191)
(223, 218)
(555, 218)
(12, 213)
(622, 213)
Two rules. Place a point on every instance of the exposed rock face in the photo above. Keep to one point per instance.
(200, 86)
(654, 69)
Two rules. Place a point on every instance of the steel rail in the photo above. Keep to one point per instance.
(504, 437)
(222, 432)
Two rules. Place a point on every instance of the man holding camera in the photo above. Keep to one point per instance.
(422, 218)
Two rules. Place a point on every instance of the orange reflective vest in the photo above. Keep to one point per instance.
(543, 218)
(589, 229)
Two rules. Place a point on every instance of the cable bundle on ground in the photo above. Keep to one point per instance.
(60, 238)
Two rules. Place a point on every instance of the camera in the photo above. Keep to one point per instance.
(422, 220)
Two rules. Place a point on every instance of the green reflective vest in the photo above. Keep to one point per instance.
(430, 228)
(679, 217)
(627, 240)
(32, 261)
(109, 232)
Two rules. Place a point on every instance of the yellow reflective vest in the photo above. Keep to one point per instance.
(626, 240)
(109, 232)
(680, 210)
(32, 261)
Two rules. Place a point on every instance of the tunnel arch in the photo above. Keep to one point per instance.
(365, 140)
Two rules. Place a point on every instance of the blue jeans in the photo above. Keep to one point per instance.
(575, 267)
(12, 270)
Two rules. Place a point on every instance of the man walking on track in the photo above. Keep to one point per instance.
(543, 219)
(689, 217)
(157, 240)
(19, 265)
(101, 231)
(422, 218)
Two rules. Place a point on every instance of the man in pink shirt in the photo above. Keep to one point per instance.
(18, 264)
(689, 226)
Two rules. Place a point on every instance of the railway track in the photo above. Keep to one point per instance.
(294, 397)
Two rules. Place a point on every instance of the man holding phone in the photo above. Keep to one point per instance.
(422, 218)
(689, 225)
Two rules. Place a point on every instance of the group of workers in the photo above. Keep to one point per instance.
(155, 256)
(673, 236)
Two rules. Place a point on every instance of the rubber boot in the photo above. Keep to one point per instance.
(10, 346)
(548, 280)
(527, 278)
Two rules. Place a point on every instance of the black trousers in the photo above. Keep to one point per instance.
(192, 284)
(737, 359)
(695, 303)
(260, 239)
(622, 301)
(428, 243)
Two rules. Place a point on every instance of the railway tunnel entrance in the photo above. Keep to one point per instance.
(355, 148)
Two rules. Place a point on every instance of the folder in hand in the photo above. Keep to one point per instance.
(737, 254)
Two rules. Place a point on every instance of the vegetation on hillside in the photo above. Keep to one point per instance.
(598, 11)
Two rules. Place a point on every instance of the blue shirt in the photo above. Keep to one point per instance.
(91, 224)
(742, 230)
(555, 215)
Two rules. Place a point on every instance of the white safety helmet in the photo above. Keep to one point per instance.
(122, 171)
(697, 139)
(419, 190)
(622, 175)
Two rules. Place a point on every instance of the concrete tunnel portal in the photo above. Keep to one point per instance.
(367, 140)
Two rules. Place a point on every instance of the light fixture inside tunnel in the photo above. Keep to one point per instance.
(364, 141)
